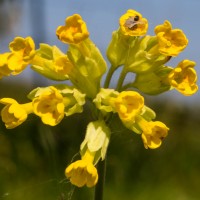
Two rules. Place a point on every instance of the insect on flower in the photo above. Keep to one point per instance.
(132, 22)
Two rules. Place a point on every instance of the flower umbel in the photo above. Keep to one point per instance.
(82, 65)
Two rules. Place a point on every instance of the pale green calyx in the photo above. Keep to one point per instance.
(89, 67)
(153, 82)
(96, 139)
(52, 63)
(144, 56)
(102, 100)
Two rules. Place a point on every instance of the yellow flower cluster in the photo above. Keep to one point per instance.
(83, 65)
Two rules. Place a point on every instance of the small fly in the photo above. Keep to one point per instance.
(131, 22)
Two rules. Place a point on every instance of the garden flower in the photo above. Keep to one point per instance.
(153, 132)
(83, 172)
(23, 51)
(133, 24)
(184, 78)
(128, 105)
(170, 41)
(14, 114)
(74, 31)
(49, 105)
(4, 69)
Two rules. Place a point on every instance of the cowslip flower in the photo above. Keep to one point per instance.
(22, 52)
(153, 132)
(128, 105)
(170, 41)
(184, 77)
(49, 105)
(74, 31)
(93, 147)
(4, 69)
(83, 172)
(51, 62)
(133, 24)
(13, 114)
(24, 47)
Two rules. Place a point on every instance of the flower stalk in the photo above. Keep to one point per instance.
(99, 188)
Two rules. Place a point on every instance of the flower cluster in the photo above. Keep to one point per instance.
(131, 50)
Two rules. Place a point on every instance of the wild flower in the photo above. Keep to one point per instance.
(84, 66)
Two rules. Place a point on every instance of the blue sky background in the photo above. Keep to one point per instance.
(40, 18)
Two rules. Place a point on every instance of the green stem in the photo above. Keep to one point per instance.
(109, 76)
(121, 79)
(100, 185)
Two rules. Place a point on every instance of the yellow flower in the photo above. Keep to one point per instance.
(83, 172)
(14, 114)
(23, 51)
(184, 78)
(74, 31)
(153, 133)
(133, 24)
(4, 69)
(170, 41)
(63, 65)
(25, 47)
(49, 105)
(128, 104)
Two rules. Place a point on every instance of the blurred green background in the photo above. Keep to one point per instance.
(33, 156)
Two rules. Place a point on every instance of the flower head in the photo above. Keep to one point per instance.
(170, 41)
(14, 114)
(128, 104)
(49, 105)
(83, 172)
(153, 132)
(74, 31)
(133, 24)
(184, 78)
